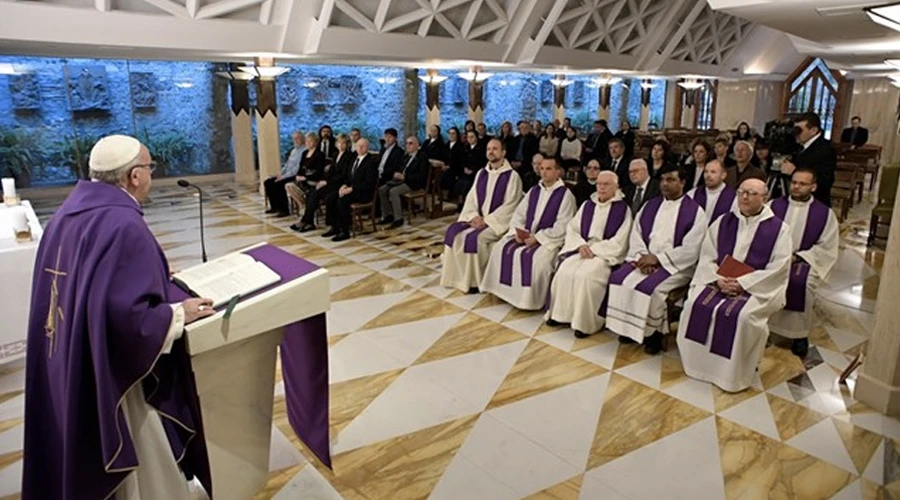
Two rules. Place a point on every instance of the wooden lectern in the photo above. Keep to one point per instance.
(234, 367)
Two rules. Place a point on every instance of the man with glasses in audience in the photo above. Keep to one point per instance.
(412, 175)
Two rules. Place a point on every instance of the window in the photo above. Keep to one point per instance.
(815, 89)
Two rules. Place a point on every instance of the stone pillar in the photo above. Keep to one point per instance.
(878, 384)
(268, 138)
(432, 100)
(603, 108)
(476, 98)
(559, 100)
(671, 98)
(411, 104)
(241, 132)
(645, 106)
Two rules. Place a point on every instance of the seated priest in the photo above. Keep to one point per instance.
(714, 196)
(740, 282)
(814, 231)
(483, 220)
(596, 240)
(520, 265)
(663, 249)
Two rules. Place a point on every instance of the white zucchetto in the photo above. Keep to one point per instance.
(114, 151)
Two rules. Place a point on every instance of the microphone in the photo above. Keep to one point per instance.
(185, 184)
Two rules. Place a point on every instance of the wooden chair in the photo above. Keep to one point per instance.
(357, 210)
(884, 210)
(419, 194)
(843, 189)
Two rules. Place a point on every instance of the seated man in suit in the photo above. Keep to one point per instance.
(814, 230)
(617, 161)
(597, 144)
(855, 135)
(816, 153)
(743, 168)
(484, 218)
(596, 241)
(641, 187)
(663, 251)
(358, 186)
(724, 325)
(715, 197)
(520, 265)
(411, 176)
(391, 158)
(525, 146)
(531, 178)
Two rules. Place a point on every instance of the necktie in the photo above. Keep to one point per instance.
(615, 165)
(355, 165)
(409, 162)
(853, 136)
(636, 202)
(325, 148)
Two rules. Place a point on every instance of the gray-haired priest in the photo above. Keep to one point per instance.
(596, 240)
(663, 250)
(520, 265)
(814, 231)
(740, 281)
(484, 219)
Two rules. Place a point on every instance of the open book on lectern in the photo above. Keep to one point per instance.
(223, 278)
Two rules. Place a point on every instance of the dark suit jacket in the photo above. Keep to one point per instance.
(393, 164)
(529, 149)
(690, 172)
(599, 144)
(821, 157)
(621, 169)
(652, 192)
(454, 156)
(735, 178)
(583, 190)
(339, 173)
(365, 180)
(862, 136)
(474, 159)
(332, 148)
(415, 174)
(434, 149)
(628, 139)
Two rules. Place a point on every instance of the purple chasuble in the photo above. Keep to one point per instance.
(723, 203)
(548, 218)
(816, 219)
(497, 199)
(758, 255)
(98, 320)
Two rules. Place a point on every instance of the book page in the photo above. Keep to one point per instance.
(212, 270)
(240, 281)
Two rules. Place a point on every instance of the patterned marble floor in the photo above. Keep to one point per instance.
(436, 394)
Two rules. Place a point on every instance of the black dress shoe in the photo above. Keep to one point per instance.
(653, 343)
(341, 237)
(625, 340)
(386, 220)
(474, 289)
(296, 227)
(331, 232)
(307, 228)
(553, 322)
(800, 347)
(581, 335)
(397, 223)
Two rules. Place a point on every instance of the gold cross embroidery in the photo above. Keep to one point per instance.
(54, 310)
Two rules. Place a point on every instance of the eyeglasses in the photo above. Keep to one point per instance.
(747, 193)
(150, 166)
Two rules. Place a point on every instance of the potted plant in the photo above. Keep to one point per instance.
(19, 154)
(170, 151)
(74, 152)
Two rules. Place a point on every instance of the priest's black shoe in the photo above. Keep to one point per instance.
(272, 211)
(653, 343)
(553, 322)
(386, 220)
(331, 232)
(625, 340)
(473, 290)
(581, 335)
(397, 223)
(341, 237)
(307, 227)
(800, 347)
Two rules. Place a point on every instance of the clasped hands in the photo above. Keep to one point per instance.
(585, 252)
(344, 191)
(529, 241)
(730, 286)
(646, 264)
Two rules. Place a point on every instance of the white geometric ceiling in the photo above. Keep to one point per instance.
(711, 38)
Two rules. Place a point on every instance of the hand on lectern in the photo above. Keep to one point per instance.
(195, 309)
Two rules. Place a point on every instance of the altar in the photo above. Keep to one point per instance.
(16, 268)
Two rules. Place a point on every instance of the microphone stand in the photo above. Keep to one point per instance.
(185, 184)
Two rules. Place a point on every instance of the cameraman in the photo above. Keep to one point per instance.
(817, 154)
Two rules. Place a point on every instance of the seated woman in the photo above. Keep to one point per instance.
(659, 157)
(570, 149)
(473, 159)
(549, 143)
(333, 172)
(312, 170)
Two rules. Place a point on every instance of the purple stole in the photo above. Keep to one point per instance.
(548, 218)
(499, 196)
(687, 213)
(816, 219)
(723, 204)
(758, 256)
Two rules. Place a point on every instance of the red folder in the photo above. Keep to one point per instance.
(733, 268)
(522, 234)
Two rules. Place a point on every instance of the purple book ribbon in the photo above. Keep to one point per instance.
(548, 218)
(816, 220)
(758, 256)
(499, 196)
(304, 356)
(723, 203)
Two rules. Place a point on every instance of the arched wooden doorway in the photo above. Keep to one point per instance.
(812, 87)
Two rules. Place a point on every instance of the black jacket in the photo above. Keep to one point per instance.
(862, 136)
(474, 159)
(415, 173)
(364, 180)
(599, 144)
(393, 164)
(312, 167)
(454, 157)
(583, 190)
(338, 173)
(821, 157)
(435, 149)
(529, 149)
(628, 139)
(652, 192)
(621, 169)
(332, 148)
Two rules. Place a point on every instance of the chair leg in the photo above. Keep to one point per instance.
(873, 230)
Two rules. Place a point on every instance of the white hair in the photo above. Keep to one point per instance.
(611, 174)
(746, 143)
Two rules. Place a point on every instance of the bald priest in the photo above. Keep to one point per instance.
(485, 217)
(740, 281)
(110, 409)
